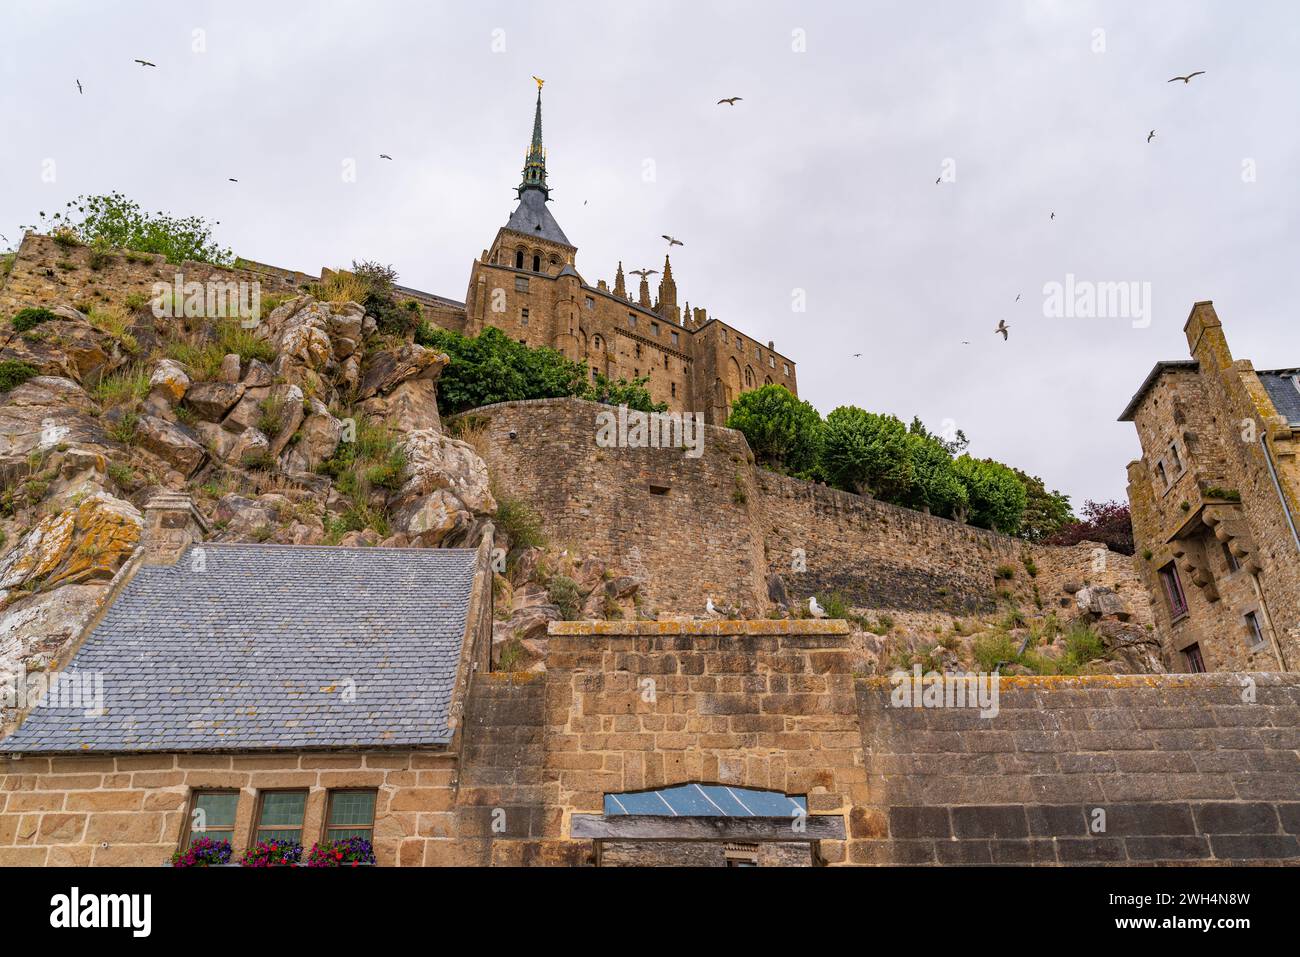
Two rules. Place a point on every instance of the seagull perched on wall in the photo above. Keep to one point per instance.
(711, 609)
(642, 272)
(673, 242)
(146, 63)
(816, 610)
(730, 100)
(1185, 79)
(1002, 328)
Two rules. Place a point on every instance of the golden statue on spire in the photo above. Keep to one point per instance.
(540, 81)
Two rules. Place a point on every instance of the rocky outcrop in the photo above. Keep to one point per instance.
(87, 541)
(68, 347)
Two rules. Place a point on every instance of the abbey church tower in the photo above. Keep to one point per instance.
(527, 285)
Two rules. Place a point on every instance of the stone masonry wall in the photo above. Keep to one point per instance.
(129, 810)
(1185, 768)
(717, 526)
(45, 274)
(684, 526)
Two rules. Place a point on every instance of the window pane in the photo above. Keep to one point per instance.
(293, 837)
(215, 811)
(352, 808)
(280, 808)
(343, 833)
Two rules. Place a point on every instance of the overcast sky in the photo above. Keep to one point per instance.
(821, 179)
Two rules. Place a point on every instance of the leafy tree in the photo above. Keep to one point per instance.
(492, 367)
(866, 453)
(380, 299)
(934, 485)
(113, 221)
(1045, 512)
(955, 446)
(1109, 523)
(629, 392)
(784, 431)
(996, 496)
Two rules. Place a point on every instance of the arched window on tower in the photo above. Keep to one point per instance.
(537, 263)
(519, 259)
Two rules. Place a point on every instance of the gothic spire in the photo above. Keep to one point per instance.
(535, 158)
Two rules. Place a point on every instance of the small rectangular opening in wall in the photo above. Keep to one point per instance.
(659, 488)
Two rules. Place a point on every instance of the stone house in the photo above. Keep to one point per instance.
(246, 692)
(1215, 500)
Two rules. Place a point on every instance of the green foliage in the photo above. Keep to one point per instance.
(122, 388)
(565, 595)
(934, 482)
(997, 497)
(783, 431)
(629, 392)
(492, 367)
(994, 648)
(113, 221)
(14, 373)
(379, 297)
(1226, 494)
(1045, 512)
(123, 430)
(834, 604)
(866, 453)
(26, 319)
(232, 337)
(1004, 573)
(520, 524)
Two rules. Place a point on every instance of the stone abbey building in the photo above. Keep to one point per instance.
(528, 285)
(1215, 499)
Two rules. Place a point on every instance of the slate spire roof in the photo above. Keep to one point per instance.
(535, 158)
(531, 217)
(251, 647)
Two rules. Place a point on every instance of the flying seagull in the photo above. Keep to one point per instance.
(1017, 297)
(79, 89)
(643, 272)
(1053, 214)
(232, 179)
(965, 342)
(938, 181)
(673, 242)
(816, 610)
(857, 355)
(1185, 79)
(1002, 328)
(145, 63)
(730, 100)
(384, 156)
(1151, 136)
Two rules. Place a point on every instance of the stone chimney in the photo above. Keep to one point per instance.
(171, 523)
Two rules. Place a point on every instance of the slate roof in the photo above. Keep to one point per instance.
(1283, 387)
(262, 649)
(532, 218)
